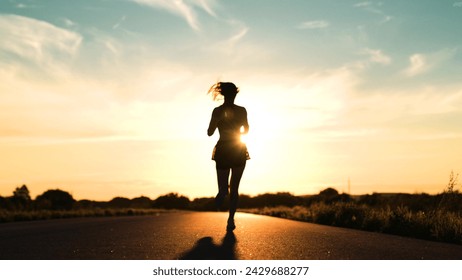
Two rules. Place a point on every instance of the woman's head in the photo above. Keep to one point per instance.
(226, 89)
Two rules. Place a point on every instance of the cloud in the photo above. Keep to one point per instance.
(416, 113)
(117, 25)
(205, 4)
(309, 100)
(420, 63)
(457, 4)
(68, 22)
(417, 65)
(377, 56)
(331, 105)
(124, 100)
(370, 7)
(22, 5)
(182, 8)
(374, 8)
(386, 19)
(317, 24)
(36, 40)
(232, 44)
(238, 36)
(362, 4)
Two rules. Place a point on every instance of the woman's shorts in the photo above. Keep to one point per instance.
(229, 154)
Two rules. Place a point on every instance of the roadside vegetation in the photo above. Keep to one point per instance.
(59, 204)
(432, 217)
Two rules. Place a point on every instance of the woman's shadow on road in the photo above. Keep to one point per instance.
(205, 249)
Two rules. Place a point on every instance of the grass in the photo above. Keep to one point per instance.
(437, 225)
(436, 218)
(15, 216)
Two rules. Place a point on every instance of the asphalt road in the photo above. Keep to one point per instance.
(196, 235)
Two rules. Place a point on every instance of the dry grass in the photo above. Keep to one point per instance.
(437, 225)
(14, 216)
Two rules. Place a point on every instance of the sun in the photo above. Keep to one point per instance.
(264, 128)
(244, 137)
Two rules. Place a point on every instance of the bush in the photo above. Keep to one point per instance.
(55, 200)
(171, 201)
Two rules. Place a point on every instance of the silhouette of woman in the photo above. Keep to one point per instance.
(230, 153)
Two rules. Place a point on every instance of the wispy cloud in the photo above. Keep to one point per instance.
(457, 4)
(406, 114)
(184, 9)
(24, 6)
(117, 25)
(206, 5)
(417, 65)
(317, 24)
(420, 63)
(386, 19)
(374, 8)
(377, 56)
(232, 42)
(238, 36)
(363, 4)
(36, 40)
(68, 22)
(242, 30)
(370, 7)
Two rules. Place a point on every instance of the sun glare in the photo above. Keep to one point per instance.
(263, 129)
(244, 138)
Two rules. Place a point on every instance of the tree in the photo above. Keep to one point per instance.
(5, 203)
(141, 202)
(272, 200)
(55, 200)
(172, 201)
(329, 192)
(119, 202)
(21, 198)
(329, 195)
(203, 204)
(22, 193)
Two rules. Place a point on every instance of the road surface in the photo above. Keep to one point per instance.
(202, 235)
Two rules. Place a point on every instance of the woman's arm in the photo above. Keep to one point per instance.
(213, 123)
(245, 123)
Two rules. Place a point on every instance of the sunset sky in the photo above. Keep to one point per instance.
(109, 98)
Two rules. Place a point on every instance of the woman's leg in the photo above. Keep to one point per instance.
(223, 178)
(236, 176)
